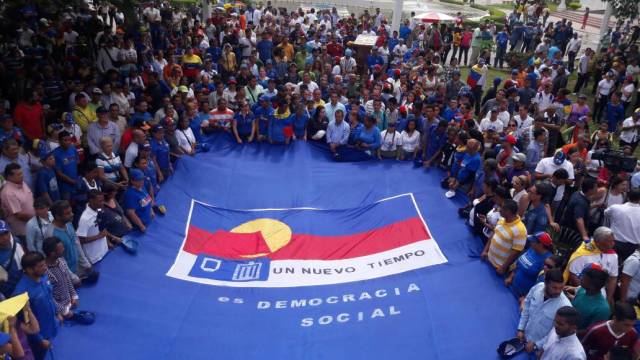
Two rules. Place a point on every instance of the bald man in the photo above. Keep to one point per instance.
(138, 139)
(464, 172)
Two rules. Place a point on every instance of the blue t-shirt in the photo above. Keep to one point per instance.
(536, 220)
(140, 202)
(276, 128)
(67, 163)
(244, 123)
(470, 164)
(265, 49)
(435, 141)
(615, 115)
(42, 303)
(264, 116)
(46, 182)
(68, 238)
(160, 151)
(528, 266)
(299, 124)
(370, 136)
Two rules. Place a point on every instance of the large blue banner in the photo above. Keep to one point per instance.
(272, 252)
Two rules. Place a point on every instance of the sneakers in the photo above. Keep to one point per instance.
(449, 194)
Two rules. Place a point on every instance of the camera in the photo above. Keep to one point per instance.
(615, 160)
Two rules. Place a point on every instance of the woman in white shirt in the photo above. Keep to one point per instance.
(410, 139)
(184, 136)
(391, 143)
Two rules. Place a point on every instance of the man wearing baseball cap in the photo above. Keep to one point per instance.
(11, 252)
(137, 201)
(529, 264)
(547, 166)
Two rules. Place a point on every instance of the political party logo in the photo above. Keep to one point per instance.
(304, 246)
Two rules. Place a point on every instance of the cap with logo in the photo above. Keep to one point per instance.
(559, 158)
(540, 237)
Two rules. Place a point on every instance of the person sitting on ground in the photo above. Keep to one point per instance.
(539, 308)
(588, 298)
(463, 173)
(508, 240)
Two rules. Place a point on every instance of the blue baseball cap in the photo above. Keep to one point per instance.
(4, 227)
(136, 175)
(559, 158)
(68, 118)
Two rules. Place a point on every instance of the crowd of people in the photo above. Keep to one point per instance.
(97, 108)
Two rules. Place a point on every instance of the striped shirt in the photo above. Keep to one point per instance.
(221, 118)
(508, 238)
(63, 290)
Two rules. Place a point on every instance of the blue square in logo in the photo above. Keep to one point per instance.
(215, 268)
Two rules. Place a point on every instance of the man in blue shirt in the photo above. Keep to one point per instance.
(405, 30)
(265, 47)
(8, 260)
(535, 219)
(435, 139)
(160, 152)
(529, 264)
(36, 284)
(465, 172)
(337, 133)
(263, 114)
(138, 202)
(501, 48)
(46, 182)
(66, 156)
(614, 112)
(62, 228)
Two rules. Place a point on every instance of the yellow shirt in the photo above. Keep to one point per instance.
(288, 51)
(508, 238)
(84, 117)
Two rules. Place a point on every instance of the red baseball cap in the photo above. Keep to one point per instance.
(511, 139)
(541, 237)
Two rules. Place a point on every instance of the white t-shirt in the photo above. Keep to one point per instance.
(410, 142)
(631, 267)
(609, 262)
(390, 141)
(625, 221)
(605, 87)
(185, 138)
(548, 167)
(87, 226)
(131, 154)
(627, 92)
(486, 124)
(629, 135)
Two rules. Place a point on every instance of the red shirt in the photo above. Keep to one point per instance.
(29, 118)
(599, 339)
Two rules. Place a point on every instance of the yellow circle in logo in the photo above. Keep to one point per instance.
(275, 233)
